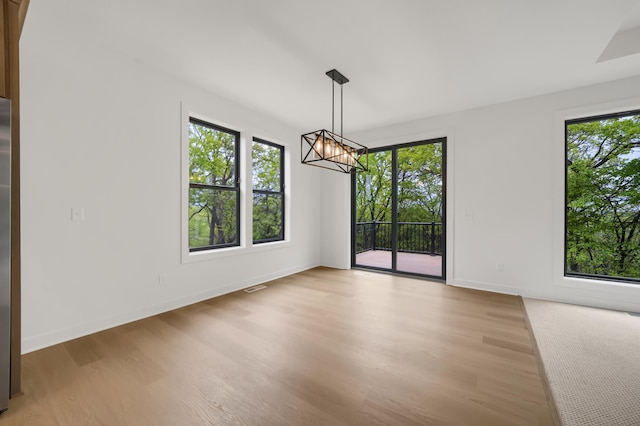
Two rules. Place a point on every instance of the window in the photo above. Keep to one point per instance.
(214, 191)
(268, 191)
(602, 209)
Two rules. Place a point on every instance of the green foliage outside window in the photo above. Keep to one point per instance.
(603, 197)
(213, 186)
(268, 192)
(419, 185)
(373, 189)
(419, 200)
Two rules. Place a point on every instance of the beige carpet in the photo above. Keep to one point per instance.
(592, 361)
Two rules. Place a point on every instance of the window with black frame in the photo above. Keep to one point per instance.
(602, 214)
(268, 191)
(214, 190)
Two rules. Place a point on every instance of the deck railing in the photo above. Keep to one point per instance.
(413, 237)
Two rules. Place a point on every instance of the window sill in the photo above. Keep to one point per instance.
(614, 287)
(214, 254)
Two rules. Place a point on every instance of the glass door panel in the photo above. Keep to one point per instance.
(420, 209)
(373, 227)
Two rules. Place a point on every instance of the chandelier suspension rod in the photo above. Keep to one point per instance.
(333, 105)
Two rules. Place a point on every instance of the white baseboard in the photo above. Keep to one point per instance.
(479, 285)
(575, 299)
(593, 302)
(34, 343)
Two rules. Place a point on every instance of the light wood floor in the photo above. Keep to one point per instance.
(321, 347)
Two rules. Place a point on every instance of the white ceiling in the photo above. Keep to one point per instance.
(406, 59)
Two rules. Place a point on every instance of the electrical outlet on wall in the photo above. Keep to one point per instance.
(163, 279)
(77, 214)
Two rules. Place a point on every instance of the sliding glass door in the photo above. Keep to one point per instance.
(399, 210)
(374, 212)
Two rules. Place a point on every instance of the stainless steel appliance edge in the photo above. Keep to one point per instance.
(5, 252)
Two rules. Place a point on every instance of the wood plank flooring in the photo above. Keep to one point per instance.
(323, 347)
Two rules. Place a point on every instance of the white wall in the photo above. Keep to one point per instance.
(506, 193)
(102, 132)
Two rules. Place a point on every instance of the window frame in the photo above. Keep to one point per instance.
(235, 188)
(281, 192)
(566, 272)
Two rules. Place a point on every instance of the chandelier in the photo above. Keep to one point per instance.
(329, 150)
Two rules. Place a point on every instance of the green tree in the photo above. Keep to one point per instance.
(420, 183)
(267, 196)
(212, 167)
(420, 192)
(603, 197)
(373, 189)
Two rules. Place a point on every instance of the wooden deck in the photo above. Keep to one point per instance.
(407, 262)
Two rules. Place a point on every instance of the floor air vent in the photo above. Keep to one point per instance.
(254, 289)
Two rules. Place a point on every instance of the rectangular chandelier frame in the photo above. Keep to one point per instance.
(329, 150)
